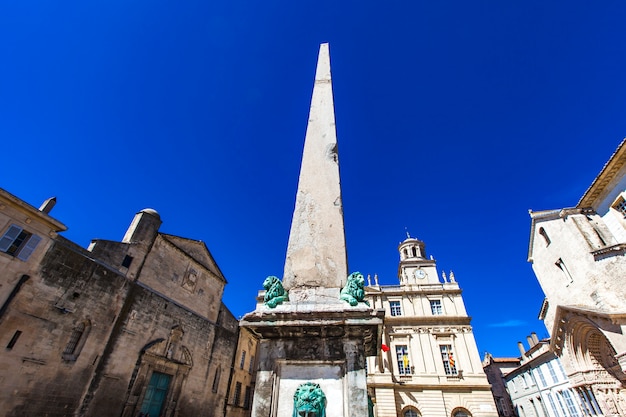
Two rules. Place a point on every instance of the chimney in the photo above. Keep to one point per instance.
(535, 338)
(531, 342)
(520, 345)
(48, 205)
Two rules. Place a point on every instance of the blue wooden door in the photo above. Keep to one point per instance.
(155, 394)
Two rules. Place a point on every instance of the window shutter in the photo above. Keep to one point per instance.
(10, 236)
(28, 249)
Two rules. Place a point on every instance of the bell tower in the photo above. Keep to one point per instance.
(414, 267)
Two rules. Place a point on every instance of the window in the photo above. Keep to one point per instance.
(589, 401)
(410, 413)
(127, 261)
(243, 359)
(18, 242)
(77, 341)
(449, 364)
(216, 379)
(561, 369)
(620, 205)
(251, 367)
(436, 308)
(237, 393)
(402, 355)
(461, 413)
(503, 407)
(573, 411)
(559, 398)
(542, 379)
(246, 399)
(563, 268)
(396, 310)
(543, 233)
(13, 340)
(552, 372)
(551, 401)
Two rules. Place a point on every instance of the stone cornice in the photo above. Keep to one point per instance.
(415, 289)
(434, 330)
(613, 250)
(428, 320)
(609, 172)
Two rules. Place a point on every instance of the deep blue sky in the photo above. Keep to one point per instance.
(453, 118)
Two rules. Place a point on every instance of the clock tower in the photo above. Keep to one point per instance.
(414, 267)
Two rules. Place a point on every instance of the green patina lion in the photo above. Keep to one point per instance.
(354, 291)
(274, 292)
(309, 401)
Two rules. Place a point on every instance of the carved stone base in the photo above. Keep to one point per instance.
(305, 343)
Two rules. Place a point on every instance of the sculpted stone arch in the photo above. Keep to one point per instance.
(163, 364)
(590, 350)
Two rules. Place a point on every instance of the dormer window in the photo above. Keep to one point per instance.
(620, 205)
(18, 242)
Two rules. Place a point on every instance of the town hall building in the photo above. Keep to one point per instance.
(429, 364)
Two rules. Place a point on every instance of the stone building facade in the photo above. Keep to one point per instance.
(496, 369)
(539, 387)
(243, 377)
(578, 255)
(429, 364)
(125, 328)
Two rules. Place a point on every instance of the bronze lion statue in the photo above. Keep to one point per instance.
(354, 291)
(274, 292)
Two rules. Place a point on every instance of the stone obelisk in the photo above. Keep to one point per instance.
(316, 263)
(309, 337)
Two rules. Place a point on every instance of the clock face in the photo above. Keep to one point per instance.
(419, 273)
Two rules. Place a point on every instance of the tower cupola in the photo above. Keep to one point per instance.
(144, 227)
(412, 248)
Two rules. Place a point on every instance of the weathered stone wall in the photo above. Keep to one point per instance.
(110, 252)
(173, 273)
(150, 318)
(83, 334)
(580, 279)
(68, 289)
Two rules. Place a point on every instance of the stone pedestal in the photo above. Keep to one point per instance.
(311, 342)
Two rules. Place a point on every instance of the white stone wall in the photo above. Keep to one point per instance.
(582, 279)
